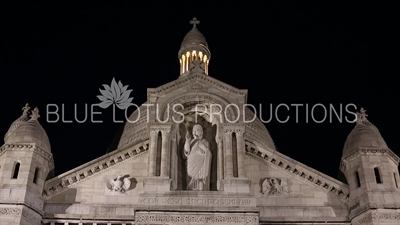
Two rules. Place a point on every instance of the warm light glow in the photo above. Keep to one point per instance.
(189, 57)
(187, 61)
(206, 66)
(183, 63)
(205, 58)
(180, 66)
(194, 55)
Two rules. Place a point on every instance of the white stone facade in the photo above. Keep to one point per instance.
(143, 181)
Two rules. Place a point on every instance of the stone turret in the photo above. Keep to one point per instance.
(26, 161)
(371, 170)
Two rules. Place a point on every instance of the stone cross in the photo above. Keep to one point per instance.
(194, 21)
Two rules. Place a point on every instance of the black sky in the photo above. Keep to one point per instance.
(329, 52)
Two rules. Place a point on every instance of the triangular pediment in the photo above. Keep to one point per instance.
(299, 171)
(96, 167)
(197, 82)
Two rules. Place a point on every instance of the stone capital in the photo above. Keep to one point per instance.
(228, 132)
(165, 131)
(154, 131)
(239, 133)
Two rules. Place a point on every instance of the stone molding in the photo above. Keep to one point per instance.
(300, 172)
(188, 218)
(70, 179)
(192, 78)
(22, 147)
(193, 97)
(364, 151)
(32, 217)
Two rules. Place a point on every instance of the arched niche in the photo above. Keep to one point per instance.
(210, 133)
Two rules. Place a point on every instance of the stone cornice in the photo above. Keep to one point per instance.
(183, 81)
(71, 178)
(300, 171)
(32, 147)
(365, 151)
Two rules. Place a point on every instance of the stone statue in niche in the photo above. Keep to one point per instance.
(120, 184)
(273, 186)
(198, 156)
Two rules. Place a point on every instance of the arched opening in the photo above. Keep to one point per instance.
(395, 180)
(209, 133)
(378, 178)
(234, 155)
(158, 159)
(358, 182)
(36, 176)
(16, 170)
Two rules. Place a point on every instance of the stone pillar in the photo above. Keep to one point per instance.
(240, 153)
(228, 154)
(165, 156)
(153, 152)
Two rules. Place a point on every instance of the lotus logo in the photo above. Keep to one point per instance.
(116, 94)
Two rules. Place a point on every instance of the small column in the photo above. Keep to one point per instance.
(240, 153)
(174, 162)
(153, 152)
(165, 156)
(228, 154)
(220, 163)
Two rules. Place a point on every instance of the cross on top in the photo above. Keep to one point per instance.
(194, 21)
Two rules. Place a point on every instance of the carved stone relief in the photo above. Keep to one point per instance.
(273, 186)
(121, 184)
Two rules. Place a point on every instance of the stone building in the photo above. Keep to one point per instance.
(195, 168)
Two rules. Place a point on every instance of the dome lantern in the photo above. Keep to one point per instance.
(194, 54)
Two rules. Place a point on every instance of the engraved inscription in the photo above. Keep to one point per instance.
(196, 201)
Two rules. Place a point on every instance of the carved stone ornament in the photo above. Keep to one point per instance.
(197, 87)
(10, 211)
(273, 186)
(197, 67)
(196, 219)
(120, 184)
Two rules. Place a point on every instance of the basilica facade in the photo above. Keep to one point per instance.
(179, 166)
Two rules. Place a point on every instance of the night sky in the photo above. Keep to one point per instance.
(300, 52)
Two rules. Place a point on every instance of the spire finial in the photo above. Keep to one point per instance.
(35, 114)
(25, 109)
(362, 116)
(194, 21)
